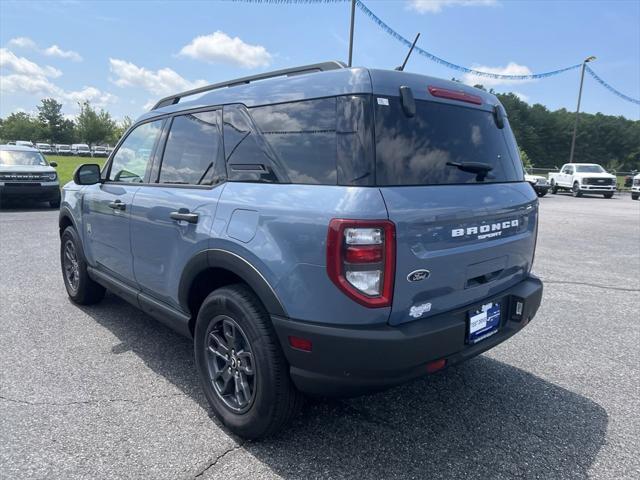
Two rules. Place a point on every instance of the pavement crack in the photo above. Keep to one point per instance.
(595, 285)
(87, 402)
(213, 462)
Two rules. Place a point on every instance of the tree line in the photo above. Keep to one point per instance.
(543, 135)
(91, 126)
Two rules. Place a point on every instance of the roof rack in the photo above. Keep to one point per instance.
(287, 72)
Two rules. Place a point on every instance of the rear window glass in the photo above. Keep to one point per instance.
(303, 136)
(417, 150)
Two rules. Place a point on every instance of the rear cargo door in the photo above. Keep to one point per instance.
(463, 232)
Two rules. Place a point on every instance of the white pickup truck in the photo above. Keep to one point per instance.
(635, 187)
(582, 178)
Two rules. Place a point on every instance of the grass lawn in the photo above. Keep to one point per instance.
(68, 164)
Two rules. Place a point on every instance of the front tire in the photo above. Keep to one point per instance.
(80, 287)
(635, 196)
(575, 190)
(608, 195)
(243, 371)
(554, 187)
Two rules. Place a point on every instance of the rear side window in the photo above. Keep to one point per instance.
(417, 150)
(303, 136)
(193, 152)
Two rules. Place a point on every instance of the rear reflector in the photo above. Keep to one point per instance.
(455, 95)
(303, 344)
(364, 254)
(436, 365)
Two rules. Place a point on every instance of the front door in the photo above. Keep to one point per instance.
(172, 217)
(107, 206)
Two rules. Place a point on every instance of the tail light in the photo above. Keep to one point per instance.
(361, 257)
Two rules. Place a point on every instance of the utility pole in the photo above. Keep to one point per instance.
(353, 17)
(575, 125)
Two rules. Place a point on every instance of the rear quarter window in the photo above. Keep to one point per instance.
(416, 150)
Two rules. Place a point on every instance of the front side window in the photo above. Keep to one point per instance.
(429, 148)
(133, 158)
(193, 153)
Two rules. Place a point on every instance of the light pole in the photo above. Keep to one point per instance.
(575, 125)
(353, 17)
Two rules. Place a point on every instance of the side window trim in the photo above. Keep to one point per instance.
(106, 172)
(162, 145)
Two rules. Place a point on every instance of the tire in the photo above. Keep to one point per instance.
(270, 399)
(80, 287)
(635, 196)
(608, 195)
(575, 190)
(542, 193)
(554, 187)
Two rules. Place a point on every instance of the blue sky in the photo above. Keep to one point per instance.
(124, 55)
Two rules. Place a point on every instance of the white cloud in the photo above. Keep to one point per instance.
(22, 65)
(436, 6)
(56, 51)
(219, 47)
(22, 42)
(159, 82)
(521, 96)
(40, 85)
(511, 69)
(52, 51)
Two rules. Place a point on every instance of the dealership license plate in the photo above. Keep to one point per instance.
(483, 322)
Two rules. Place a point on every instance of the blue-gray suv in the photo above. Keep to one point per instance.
(319, 230)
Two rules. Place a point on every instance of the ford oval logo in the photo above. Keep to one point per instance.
(418, 275)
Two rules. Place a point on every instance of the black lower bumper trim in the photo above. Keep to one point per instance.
(347, 361)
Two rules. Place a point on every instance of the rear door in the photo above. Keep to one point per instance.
(107, 206)
(172, 216)
(462, 236)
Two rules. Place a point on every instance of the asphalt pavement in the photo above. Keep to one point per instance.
(107, 392)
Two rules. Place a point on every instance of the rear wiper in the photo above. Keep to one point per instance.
(479, 168)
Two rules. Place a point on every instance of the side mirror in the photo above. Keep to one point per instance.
(53, 164)
(87, 174)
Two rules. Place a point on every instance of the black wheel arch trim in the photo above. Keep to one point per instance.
(65, 212)
(219, 258)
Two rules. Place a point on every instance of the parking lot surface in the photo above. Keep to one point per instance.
(107, 392)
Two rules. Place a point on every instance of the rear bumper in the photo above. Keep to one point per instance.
(347, 361)
(33, 192)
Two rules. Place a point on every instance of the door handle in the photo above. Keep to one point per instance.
(184, 215)
(117, 205)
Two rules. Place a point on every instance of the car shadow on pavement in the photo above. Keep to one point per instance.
(480, 420)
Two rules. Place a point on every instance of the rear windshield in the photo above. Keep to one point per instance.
(416, 150)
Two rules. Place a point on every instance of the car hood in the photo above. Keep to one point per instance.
(594, 175)
(27, 168)
(533, 178)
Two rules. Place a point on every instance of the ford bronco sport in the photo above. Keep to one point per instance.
(324, 230)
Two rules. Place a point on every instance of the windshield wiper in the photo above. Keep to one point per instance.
(481, 169)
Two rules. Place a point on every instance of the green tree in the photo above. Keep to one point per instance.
(526, 161)
(21, 126)
(94, 127)
(50, 116)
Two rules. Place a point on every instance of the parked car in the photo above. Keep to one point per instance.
(25, 143)
(539, 184)
(25, 174)
(579, 178)
(63, 149)
(635, 187)
(80, 150)
(44, 148)
(99, 151)
(309, 243)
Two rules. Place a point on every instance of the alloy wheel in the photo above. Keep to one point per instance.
(71, 265)
(230, 363)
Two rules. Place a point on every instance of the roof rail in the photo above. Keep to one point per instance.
(287, 72)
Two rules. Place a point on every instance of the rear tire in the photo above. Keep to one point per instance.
(575, 190)
(80, 287)
(608, 195)
(234, 337)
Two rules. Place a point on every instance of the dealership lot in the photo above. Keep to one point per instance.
(107, 392)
